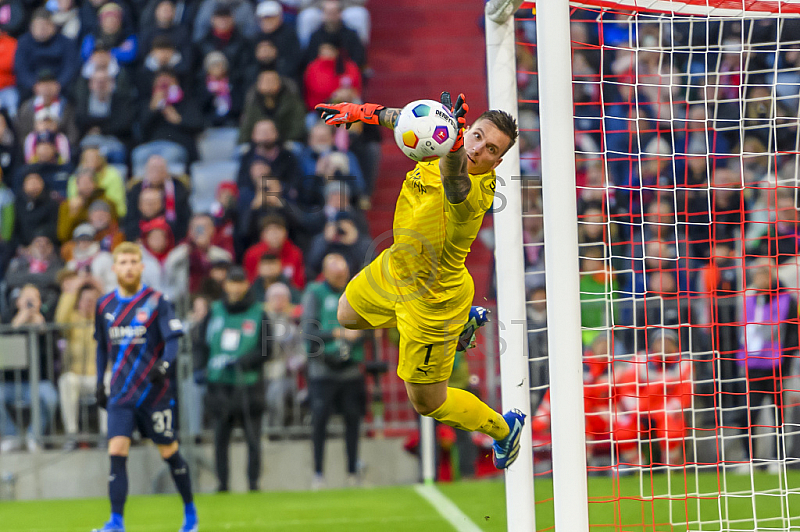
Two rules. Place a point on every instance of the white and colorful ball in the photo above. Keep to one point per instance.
(425, 130)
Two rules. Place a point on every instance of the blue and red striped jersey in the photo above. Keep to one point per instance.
(133, 331)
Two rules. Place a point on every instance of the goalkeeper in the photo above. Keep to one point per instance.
(420, 284)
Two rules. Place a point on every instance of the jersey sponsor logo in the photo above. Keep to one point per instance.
(133, 333)
(249, 327)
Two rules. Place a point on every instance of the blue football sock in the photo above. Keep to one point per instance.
(118, 486)
(180, 474)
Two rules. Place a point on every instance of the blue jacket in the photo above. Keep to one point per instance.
(59, 54)
(124, 53)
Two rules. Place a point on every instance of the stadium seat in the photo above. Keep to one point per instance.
(206, 177)
(218, 144)
(175, 154)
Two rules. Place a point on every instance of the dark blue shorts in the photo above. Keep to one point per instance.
(159, 422)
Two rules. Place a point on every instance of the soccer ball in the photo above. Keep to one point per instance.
(425, 130)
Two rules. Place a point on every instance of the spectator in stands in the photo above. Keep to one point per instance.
(183, 15)
(225, 214)
(170, 114)
(779, 238)
(107, 231)
(271, 97)
(7, 211)
(270, 272)
(768, 343)
(17, 393)
(55, 175)
(274, 238)
(328, 16)
(288, 353)
(226, 38)
(242, 11)
(13, 21)
(36, 210)
(337, 199)
(284, 48)
(329, 72)
(107, 178)
(45, 126)
(164, 24)
(84, 255)
(190, 261)
(264, 143)
(104, 112)
(659, 385)
(9, 96)
(157, 241)
(334, 28)
(597, 285)
(74, 211)
(163, 54)
(67, 18)
(234, 352)
(149, 206)
(101, 60)
(37, 265)
(90, 16)
(269, 198)
(44, 48)
(339, 236)
(76, 312)
(211, 287)
(47, 95)
(220, 98)
(175, 197)
(336, 382)
(317, 167)
(9, 145)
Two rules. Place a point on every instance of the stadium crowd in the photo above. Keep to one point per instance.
(186, 126)
(688, 224)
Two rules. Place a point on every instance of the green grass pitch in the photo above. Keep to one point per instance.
(617, 506)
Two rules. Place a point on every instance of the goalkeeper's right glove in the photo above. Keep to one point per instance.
(100, 396)
(346, 113)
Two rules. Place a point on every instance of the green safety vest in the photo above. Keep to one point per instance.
(229, 337)
(327, 305)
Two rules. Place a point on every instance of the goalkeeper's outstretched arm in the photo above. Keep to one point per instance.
(346, 113)
(455, 179)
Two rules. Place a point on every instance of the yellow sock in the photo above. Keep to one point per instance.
(464, 411)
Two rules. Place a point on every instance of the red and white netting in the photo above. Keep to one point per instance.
(686, 135)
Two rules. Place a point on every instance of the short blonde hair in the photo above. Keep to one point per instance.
(127, 248)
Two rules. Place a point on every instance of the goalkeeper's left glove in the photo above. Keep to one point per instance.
(458, 111)
(346, 113)
(158, 372)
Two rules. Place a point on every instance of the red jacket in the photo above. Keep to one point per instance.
(321, 80)
(8, 47)
(291, 259)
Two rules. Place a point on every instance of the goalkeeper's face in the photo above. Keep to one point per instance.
(129, 268)
(485, 145)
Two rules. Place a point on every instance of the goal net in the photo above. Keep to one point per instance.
(686, 151)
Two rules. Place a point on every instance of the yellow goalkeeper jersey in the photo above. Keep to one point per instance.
(432, 236)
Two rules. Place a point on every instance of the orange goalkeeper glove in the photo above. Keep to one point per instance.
(458, 111)
(346, 113)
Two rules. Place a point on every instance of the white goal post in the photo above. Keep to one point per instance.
(557, 116)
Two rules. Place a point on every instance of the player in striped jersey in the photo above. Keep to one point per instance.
(137, 331)
(420, 284)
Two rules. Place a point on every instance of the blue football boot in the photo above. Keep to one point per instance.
(507, 449)
(115, 524)
(189, 519)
